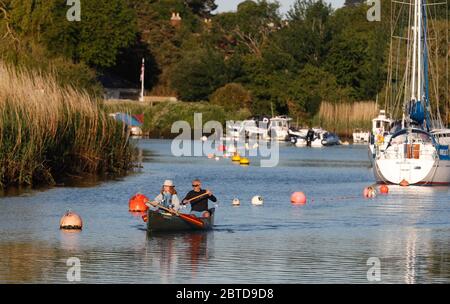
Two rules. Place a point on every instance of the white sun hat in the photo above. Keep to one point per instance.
(168, 182)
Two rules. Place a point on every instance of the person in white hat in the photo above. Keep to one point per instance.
(168, 196)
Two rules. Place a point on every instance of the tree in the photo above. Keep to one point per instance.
(247, 30)
(232, 96)
(307, 38)
(357, 52)
(198, 74)
(203, 8)
(107, 28)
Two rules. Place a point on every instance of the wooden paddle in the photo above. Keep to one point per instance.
(188, 218)
(188, 201)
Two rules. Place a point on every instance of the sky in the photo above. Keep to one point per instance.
(230, 5)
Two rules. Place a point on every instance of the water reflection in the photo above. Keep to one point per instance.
(70, 239)
(410, 257)
(176, 253)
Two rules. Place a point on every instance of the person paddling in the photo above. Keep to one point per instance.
(199, 206)
(168, 197)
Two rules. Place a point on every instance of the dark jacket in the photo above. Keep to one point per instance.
(200, 204)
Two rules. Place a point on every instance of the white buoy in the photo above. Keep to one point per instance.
(217, 158)
(204, 138)
(236, 202)
(257, 200)
(255, 146)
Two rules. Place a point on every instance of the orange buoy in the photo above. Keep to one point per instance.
(210, 156)
(71, 220)
(221, 148)
(298, 198)
(369, 192)
(205, 214)
(145, 218)
(384, 189)
(137, 203)
(404, 183)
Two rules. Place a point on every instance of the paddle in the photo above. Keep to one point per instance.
(188, 218)
(194, 198)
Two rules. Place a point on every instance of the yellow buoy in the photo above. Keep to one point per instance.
(236, 158)
(244, 161)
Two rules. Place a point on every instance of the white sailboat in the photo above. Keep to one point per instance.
(418, 152)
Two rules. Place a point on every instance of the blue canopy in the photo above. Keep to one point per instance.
(417, 112)
(127, 119)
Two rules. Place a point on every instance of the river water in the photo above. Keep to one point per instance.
(338, 237)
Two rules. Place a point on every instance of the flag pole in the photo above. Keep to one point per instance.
(142, 79)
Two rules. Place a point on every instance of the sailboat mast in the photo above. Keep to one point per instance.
(419, 50)
(413, 74)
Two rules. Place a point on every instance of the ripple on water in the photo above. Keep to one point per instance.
(329, 240)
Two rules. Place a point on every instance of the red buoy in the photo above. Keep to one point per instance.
(221, 148)
(404, 183)
(71, 220)
(298, 198)
(137, 203)
(384, 189)
(369, 192)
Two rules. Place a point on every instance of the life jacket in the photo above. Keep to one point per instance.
(380, 139)
(167, 199)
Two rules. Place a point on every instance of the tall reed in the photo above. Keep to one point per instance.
(343, 118)
(48, 132)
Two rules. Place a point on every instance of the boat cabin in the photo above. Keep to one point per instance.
(381, 124)
(280, 122)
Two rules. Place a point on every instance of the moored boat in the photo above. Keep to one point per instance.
(417, 153)
(360, 136)
(167, 222)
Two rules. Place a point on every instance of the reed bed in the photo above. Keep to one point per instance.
(343, 118)
(48, 132)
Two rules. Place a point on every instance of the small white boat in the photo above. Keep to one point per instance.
(279, 128)
(381, 133)
(360, 136)
(319, 139)
(136, 131)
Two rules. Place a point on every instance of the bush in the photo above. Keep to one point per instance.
(232, 96)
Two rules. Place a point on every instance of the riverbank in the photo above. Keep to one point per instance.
(158, 119)
(340, 118)
(48, 133)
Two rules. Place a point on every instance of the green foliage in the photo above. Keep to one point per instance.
(232, 96)
(357, 52)
(288, 65)
(106, 27)
(199, 74)
(247, 30)
(202, 8)
(158, 119)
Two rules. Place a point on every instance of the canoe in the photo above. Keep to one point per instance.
(161, 222)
